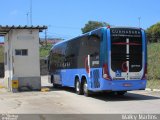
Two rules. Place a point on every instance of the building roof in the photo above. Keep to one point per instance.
(5, 29)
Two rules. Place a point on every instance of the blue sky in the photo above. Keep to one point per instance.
(65, 18)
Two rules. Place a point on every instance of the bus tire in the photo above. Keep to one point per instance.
(78, 88)
(121, 92)
(85, 89)
(53, 83)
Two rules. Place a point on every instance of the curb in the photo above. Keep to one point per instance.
(155, 90)
(45, 90)
(1, 86)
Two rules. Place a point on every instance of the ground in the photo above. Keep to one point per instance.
(65, 101)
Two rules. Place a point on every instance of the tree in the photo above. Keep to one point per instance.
(153, 33)
(91, 25)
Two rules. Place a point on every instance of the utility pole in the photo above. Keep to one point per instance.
(46, 37)
(139, 21)
(31, 12)
(27, 18)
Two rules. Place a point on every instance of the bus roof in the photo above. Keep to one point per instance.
(126, 27)
(78, 36)
(88, 33)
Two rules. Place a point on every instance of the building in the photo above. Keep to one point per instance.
(22, 56)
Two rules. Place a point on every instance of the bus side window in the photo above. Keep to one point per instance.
(94, 48)
(94, 44)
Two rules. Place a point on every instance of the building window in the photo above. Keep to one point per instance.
(17, 52)
(21, 52)
(25, 52)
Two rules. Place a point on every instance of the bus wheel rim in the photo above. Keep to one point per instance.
(77, 86)
(85, 87)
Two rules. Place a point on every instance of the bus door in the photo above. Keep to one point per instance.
(126, 55)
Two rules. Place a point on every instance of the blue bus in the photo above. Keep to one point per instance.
(106, 59)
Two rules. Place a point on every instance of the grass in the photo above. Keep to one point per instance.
(154, 66)
(153, 84)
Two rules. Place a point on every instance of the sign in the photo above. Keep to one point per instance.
(118, 73)
(126, 32)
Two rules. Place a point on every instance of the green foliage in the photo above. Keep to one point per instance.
(44, 50)
(153, 33)
(91, 25)
(154, 61)
(1, 54)
(154, 65)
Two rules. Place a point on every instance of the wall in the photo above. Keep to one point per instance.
(25, 66)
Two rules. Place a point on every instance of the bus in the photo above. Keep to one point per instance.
(106, 59)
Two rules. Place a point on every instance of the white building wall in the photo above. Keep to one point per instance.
(26, 66)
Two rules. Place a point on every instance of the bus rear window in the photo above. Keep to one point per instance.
(126, 45)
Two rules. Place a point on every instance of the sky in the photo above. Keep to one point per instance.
(65, 18)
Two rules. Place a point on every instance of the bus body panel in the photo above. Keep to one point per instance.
(72, 74)
(98, 84)
(128, 85)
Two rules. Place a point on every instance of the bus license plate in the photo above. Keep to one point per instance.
(127, 84)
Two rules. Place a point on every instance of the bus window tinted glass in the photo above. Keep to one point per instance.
(126, 45)
(90, 45)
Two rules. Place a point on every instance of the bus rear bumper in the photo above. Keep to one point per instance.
(121, 85)
(128, 85)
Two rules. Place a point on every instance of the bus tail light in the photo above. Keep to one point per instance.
(108, 26)
(105, 72)
(145, 73)
(87, 65)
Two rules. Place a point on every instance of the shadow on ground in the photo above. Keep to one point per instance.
(105, 96)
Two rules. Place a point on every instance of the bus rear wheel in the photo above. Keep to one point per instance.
(78, 88)
(85, 89)
(121, 92)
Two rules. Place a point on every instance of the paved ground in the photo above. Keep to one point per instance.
(65, 101)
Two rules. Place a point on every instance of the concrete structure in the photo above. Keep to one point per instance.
(22, 56)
